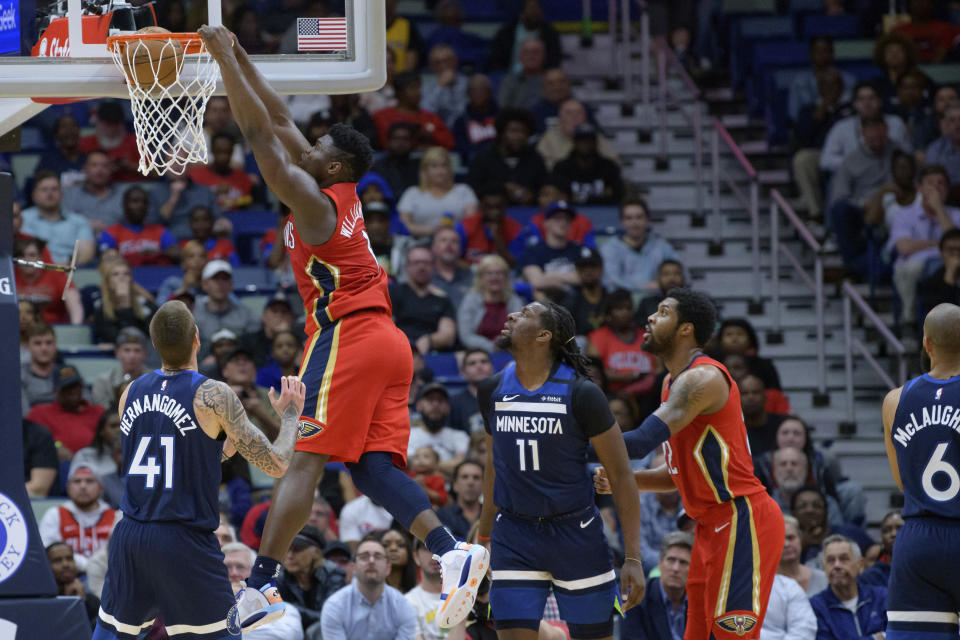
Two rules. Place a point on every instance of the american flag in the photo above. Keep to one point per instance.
(321, 34)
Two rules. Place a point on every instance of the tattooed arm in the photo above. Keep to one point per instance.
(217, 404)
(697, 391)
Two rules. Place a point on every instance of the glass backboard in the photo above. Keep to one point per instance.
(57, 48)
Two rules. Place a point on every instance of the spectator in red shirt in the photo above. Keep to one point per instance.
(232, 187)
(433, 130)
(490, 230)
(619, 344)
(110, 135)
(137, 243)
(934, 38)
(71, 420)
(203, 228)
(45, 288)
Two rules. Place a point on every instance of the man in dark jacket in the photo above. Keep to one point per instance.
(533, 23)
(662, 615)
(511, 160)
(307, 579)
(846, 610)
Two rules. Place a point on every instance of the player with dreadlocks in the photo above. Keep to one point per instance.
(540, 413)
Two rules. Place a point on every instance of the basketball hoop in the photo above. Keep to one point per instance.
(168, 97)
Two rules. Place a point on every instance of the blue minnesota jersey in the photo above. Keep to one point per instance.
(540, 440)
(926, 437)
(171, 467)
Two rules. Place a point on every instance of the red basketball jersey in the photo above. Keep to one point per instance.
(710, 459)
(341, 275)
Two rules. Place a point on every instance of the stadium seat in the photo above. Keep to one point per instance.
(90, 368)
(812, 6)
(86, 278)
(942, 73)
(745, 31)
(767, 59)
(853, 50)
(749, 6)
(41, 505)
(72, 335)
(254, 303)
(522, 214)
(834, 26)
(259, 481)
(443, 365)
(23, 166)
(150, 278)
(253, 279)
(602, 216)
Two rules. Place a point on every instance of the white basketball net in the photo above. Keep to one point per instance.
(168, 120)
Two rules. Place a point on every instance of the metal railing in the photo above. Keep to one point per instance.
(814, 282)
(850, 298)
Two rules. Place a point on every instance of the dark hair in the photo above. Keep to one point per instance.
(59, 122)
(403, 80)
(357, 153)
(873, 121)
(634, 202)
(865, 84)
(99, 152)
(808, 488)
(890, 514)
(132, 190)
(408, 579)
(952, 234)
(39, 329)
(815, 39)
(744, 324)
(617, 298)
(201, 207)
(282, 332)
(559, 322)
(470, 352)
(460, 465)
(492, 189)
(894, 37)
(223, 135)
(698, 309)
(42, 175)
(668, 262)
(913, 73)
(506, 116)
(56, 544)
(172, 330)
(20, 245)
(932, 169)
(631, 403)
(98, 443)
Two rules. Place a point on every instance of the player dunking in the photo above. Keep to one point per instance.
(921, 421)
(739, 535)
(357, 365)
(173, 423)
(540, 413)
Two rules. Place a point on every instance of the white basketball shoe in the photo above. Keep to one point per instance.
(462, 569)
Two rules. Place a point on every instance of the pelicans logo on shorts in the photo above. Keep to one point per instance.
(307, 429)
(738, 623)
(13, 537)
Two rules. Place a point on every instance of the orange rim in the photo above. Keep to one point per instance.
(192, 43)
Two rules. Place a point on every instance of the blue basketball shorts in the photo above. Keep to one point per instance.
(923, 597)
(570, 555)
(165, 569)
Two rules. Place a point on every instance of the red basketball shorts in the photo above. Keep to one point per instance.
(357, 372)
(735, 557)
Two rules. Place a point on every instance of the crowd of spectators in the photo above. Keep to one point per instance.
(487, 173)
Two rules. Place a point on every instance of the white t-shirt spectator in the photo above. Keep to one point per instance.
(448, 443)
(287, 627)
(789, 614)
(425, 607)
(429, 211)
(359, 517)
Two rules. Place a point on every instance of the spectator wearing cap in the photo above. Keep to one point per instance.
(97, 198)
(490, 230)
(70, 418)
(510, 160)
(445, 91)
(581, 229)
(557, 143)
(214, 234)
(591, 178)
(138, 243)
(425, 597)
(449, 274)
(110, 135)
(307, 579)
(284, 360)
(59, 228)
(630, 261)
(586, 300)
(219, 309)
(239, 559)
(374, 188)
(174, 198)
(523, 86)
(130, 350)
(339, 553)
(40, 461)
(548, 265)
(65, 574)
(83, 521)
(396, 166)
(476, 126)
(420, 309)
(276, 317)
(45, 288)
(432, 130)
(669, 275)
(193, 257)
(429, 428)
(37, 374)
(232, 188)
(122, 302)
(240, 373)
(484, 310)
(222, 344)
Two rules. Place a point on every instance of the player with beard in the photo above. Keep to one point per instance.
(540, 414)
(739, 535)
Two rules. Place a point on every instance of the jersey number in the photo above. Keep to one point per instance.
(534, 454)
(936, 465)
(149, 467)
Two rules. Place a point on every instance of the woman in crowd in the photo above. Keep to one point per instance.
(437, 201)
(98, 456)
(122, 303)
(403, 569)
(486, 306)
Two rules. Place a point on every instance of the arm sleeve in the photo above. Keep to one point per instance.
(801, 622)
(485, 391)
(591, 409)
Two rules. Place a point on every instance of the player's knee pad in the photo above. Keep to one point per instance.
(376, 476)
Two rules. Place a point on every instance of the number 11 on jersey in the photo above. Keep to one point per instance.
(534, 454)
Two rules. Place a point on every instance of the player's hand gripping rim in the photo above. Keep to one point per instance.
(293, 394)
(601, 483)
(633, 584)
